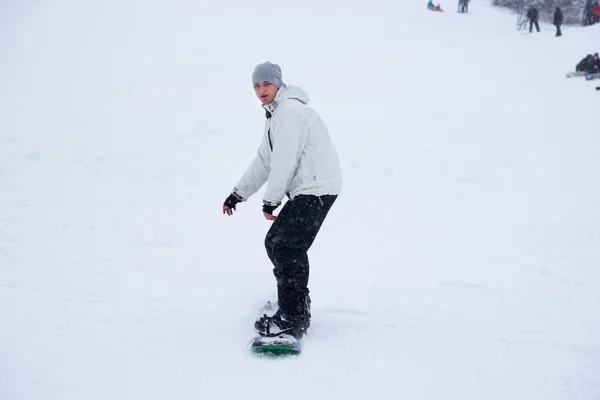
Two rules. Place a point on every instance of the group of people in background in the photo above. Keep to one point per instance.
(533, 16)
(463, 6)
(591, 16)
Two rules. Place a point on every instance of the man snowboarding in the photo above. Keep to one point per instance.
(299, 160)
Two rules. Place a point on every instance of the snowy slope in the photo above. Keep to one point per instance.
(460, 261)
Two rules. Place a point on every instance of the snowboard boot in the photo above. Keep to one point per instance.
(279, 324)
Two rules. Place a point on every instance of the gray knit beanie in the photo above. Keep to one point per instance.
(267, 72)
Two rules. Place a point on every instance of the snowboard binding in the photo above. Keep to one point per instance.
(272, 326)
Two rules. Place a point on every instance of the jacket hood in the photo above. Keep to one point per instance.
(288, 92)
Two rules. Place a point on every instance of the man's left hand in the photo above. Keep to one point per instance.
(270, 217)
(268, 211)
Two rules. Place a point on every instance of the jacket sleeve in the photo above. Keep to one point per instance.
(291, 130)
(256, 175)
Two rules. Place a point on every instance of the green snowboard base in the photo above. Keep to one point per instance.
(279, 346)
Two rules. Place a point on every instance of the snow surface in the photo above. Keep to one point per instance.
(460, 262)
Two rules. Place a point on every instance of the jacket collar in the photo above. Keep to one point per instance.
(271, 107)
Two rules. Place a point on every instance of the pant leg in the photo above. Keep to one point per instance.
(530, 25)
(287, 247)
(274, 230)
(537, 26)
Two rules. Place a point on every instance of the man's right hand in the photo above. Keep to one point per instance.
(227, 210)
(229, 204)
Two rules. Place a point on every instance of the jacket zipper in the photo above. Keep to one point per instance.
(268, 115)
(269, 137)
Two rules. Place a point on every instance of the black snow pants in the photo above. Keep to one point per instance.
(534, 22)
(287, 244)
(558, 32)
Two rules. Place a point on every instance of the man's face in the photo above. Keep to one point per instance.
(265, 91)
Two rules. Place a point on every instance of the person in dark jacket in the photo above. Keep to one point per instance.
(558, 20)
(595, 64)
(585, 65)
(533, 16)
(588, 13)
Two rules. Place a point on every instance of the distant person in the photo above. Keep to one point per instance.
(595, 64)
(596, 13)
(587, 64)
(433, 7)
(588, 13)
(558, 20)
(463, 6)
(533, 16)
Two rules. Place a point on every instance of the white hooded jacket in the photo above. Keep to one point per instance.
(296, 156)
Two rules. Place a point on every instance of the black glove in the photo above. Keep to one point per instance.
(231, 201)
(268, 208)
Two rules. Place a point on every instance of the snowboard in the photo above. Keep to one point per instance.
(589, 77)
(277, 345)
(575, 74)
